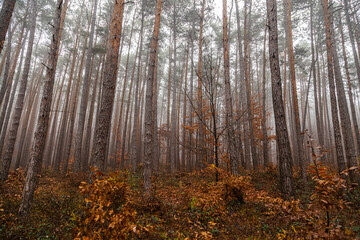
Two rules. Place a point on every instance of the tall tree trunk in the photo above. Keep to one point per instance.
(5, 17)
(52, 135)
(84, 95)
(20, 99)
(351, 97)
(319, 129)
(8, 110)
(234, 163)
(149, 123)
(168, 147)
(344, 111)
(35, 162)
(135, 130)
(126, 119)
(9, 71)
(298, 136)
(174, 117)
(264, 129)
(191, 118)
(60, 151)
(242, 79)
(184, 137)
(6, 86)
(31, 110)
(200, 153)
(87, 152)
(155, 146)
(125, 80)
(103, 122)
(247, 68)
(351, 26)
(282, 138)
(334, 110)
(74, 101)
(242, 98)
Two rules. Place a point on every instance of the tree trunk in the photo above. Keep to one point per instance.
(344, 111)
(242, 79)
(247, 68)
(351, 97)
(298, 136)
(8, 110)
(123, 141)
(351, 26)
(135, 130)
(103, 122)
(35, 162)
(334, 109)
(317, 114)
(264, 129)
(20, 99)
(234, 163)
(282, 138)
(184, 137)
(174, 117)
(200, 147)
(84, 95)
(5, 17)
(149, 123)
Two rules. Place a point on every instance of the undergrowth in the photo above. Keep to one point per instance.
(185, 206)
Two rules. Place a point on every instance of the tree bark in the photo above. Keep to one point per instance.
(350, 90)
(5, 17)
(351, 26)
(264, 129)
(344, 110)
(35, 162)
(8, 110)
(201, 148)
(103, 122)
(334, 110)
(317, 114)
(289, 38)
(247, 68)
(20, 99)
(149, 123)
(135, 130)
(84, 95)
(234, 163)
(282, 138)
(126, 119)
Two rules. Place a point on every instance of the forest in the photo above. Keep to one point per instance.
(179, 119)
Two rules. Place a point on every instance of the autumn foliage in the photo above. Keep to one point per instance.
(108, 212)
(184, 206)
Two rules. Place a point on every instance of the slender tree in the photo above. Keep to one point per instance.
(282, 138)
(135, 129)
(35, 162)
(200, 154)
(149, 121)
(315, 82)
(342, 101)
(334, 110)
(247, 79)
(84, 94)
(234, 164)
(5, 17)
(290, 48)
(20, 99)
(103, 122)
(351, 26)
(264, 129)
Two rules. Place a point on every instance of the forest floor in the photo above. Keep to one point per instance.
(182, 206)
